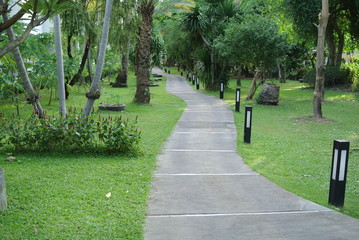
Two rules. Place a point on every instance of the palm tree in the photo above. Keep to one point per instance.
(95, 91)
(147, 8)
(205, 21)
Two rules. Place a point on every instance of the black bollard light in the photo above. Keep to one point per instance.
(193, 78)
(187, 74)
(189, 77)
(197, 83)
(238, 99)
(221, 90)
(181, 72)
(339, 172)
(169, 70)
(248, 124)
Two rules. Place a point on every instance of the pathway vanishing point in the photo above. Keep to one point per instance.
(203, 190)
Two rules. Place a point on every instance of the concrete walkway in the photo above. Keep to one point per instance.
(203, 190)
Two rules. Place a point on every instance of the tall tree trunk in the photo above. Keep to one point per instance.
(60, 66)
(253, 87)
(339, 53)
(121, 79)
(281, 73)
(32, 96)
(95, 92)
(239, 76)
(320, 78)
(77, 76)
(213, 85)
(143, 53)
(335, 40)
(69, 46)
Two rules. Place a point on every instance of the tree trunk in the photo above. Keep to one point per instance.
(238, 76)
(77, 76)
(253, 87)
(213, 86)
(32, 96)
(143, 53)
(60, 66)
(121, 79)
(281, 73)
(95, 92)
(320, 78)
(339, 53)
(69, 48)
(335, 40)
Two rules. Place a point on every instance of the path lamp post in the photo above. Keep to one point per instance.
(197, 83)
(238, 99)
(189, 77)
(193, 78)
(221, 90)
(248, 124)
(339, 172)
(187, 74)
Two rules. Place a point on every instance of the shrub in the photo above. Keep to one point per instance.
(353, 69)
(73, 133)
(333, 76)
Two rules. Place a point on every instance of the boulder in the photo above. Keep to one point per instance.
(269, 94)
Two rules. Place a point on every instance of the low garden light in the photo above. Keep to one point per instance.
(248, 124)
(238, 98)
(339, 172)
(221, 90)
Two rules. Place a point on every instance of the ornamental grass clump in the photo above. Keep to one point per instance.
(75, 132)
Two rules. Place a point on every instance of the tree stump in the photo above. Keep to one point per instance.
(3, 204)
(269, 94)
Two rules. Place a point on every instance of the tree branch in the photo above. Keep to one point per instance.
(12, 20)
(10, 46)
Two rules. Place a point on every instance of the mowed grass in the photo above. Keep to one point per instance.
(292, 149)
(63, 196)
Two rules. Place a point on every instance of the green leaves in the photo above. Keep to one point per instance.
(73, 133)
(45, 7)
(256, 40)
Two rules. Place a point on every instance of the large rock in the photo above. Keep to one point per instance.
(269, 94)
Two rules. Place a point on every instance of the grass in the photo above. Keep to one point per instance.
(294, 150)
(63, 196)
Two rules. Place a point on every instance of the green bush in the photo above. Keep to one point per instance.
(353, 69)
(73, 133)
(333, 76)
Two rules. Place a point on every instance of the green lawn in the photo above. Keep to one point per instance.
(63, 196)
(292, 149)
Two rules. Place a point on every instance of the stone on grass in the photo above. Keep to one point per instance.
(269, 94)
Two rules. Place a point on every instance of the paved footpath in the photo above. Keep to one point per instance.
(203, 190)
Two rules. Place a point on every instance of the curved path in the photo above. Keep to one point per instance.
(203, 190)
